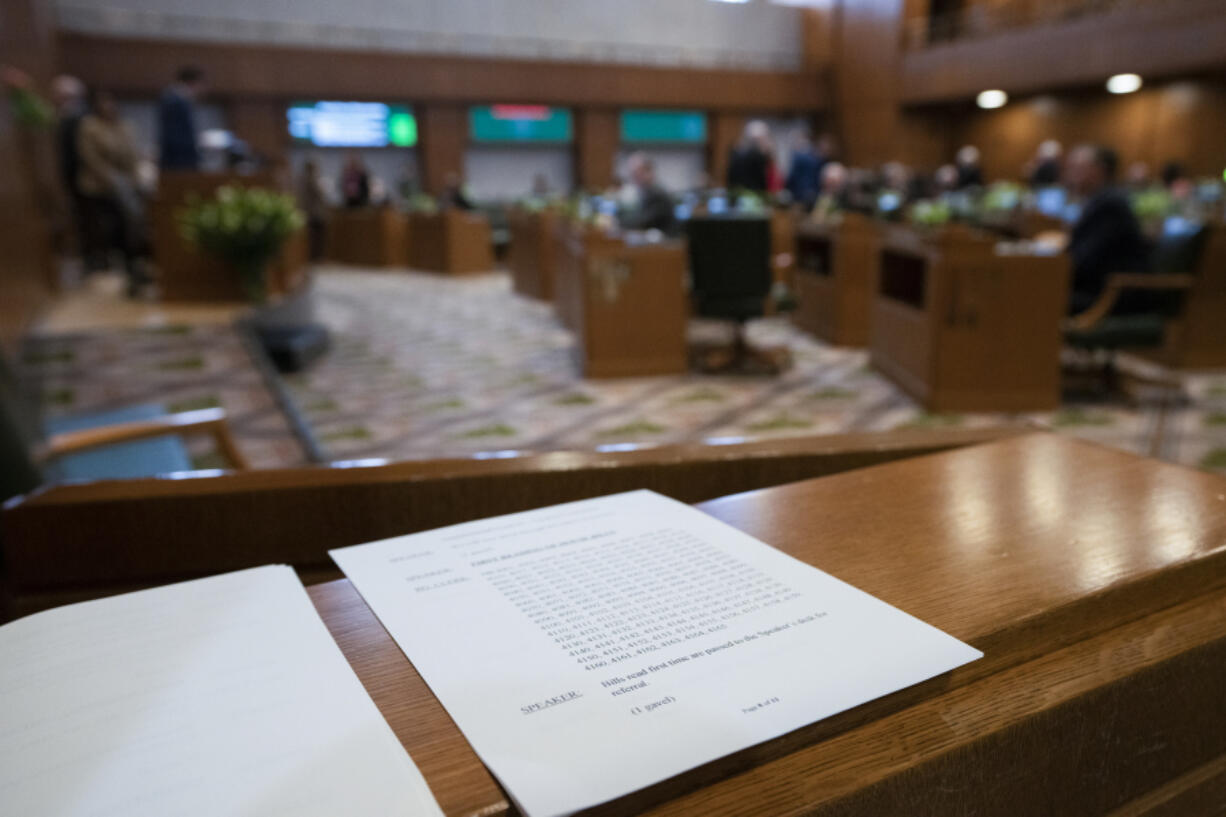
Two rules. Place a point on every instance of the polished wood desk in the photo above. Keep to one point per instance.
(186, 274)
(451, 241)
(961, 326)
(626, 303)
(78, 541)
(531, 255)
(368, 237)
(836, 279)
(1093, 581)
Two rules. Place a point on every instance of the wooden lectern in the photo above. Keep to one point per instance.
(836, 279)
(626, 303)
(962, 325)
(369, 237)
(531, 253)
(450, 241)
(1094, 582)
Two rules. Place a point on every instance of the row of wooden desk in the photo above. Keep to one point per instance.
(448, 241)
(955, 319)
(963, 322)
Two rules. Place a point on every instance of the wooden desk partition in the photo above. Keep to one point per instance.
(451, 241)
(531, 254)
(962, 327)
(629, 307)
(1197, 338)
(71, 542)
(1094, 581)
(186, 274)
(836, 279)
(369, 237)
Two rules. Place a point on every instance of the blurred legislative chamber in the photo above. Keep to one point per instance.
(927, 294)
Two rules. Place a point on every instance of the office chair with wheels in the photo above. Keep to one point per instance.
(1134, 309)
(731, 279)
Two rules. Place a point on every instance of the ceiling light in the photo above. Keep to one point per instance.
(991, 99)
(1123, 83)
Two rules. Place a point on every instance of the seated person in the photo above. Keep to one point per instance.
(833, 197)
(653, 209)
(453, 193)
(355, 182)
(1106, 238)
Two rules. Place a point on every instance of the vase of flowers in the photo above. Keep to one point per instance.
(245, 228)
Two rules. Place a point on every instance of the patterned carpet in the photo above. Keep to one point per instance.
(425, 366)
(181, 367)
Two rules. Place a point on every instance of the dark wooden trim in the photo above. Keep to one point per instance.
(1151, 39)
(143, 66)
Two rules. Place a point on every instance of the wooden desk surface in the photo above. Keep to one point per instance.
(1075, 568)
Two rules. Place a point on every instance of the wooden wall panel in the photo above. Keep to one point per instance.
(442, 132)
(1180, 121)
(261, 123)
(866, 78)
(723, 132)
(596, 144)
(143, 66)
(1157, 39)
(29, 199)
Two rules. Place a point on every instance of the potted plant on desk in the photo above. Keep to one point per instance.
(246, 229)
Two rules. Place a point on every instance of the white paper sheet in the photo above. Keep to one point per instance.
(219, 697)
(591, 649)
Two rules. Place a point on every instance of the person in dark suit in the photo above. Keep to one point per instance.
(749, 163)
(1045, 168)
(177, 121)
(655, 208)
(970, 174)
(454, 194)
(1106, 237)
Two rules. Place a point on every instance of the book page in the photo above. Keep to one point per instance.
(592, 649)
(218, 697)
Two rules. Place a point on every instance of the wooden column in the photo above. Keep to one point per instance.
(261, 124)
(866, 79)
(723, 133)
(442, 133)
(596, 141)
(30, 200)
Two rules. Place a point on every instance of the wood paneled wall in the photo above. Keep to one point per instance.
(866, 78)
(1181, 120)
(442, 132)
(28, 196)
(141, 66)
(1154, 39)
(596, 144)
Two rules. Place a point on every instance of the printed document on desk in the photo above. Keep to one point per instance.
(592, 649)
(221, 697)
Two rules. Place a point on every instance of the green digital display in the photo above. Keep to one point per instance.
(352, 124)
(664, 127)
(519, 123)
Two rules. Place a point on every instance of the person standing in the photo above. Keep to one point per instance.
(314, 203)
(749, 163)
(355, 182)
(654, 209)
(106, 179)
(177, 139)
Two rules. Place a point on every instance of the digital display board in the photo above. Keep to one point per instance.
(664, 127)
(352, 124)
(519, 123)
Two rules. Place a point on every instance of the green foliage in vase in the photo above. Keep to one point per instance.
(1001, 197)
(1152, 204)
(243, 227)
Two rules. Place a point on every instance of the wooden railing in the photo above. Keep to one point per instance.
(985, 17)
(71, 542)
